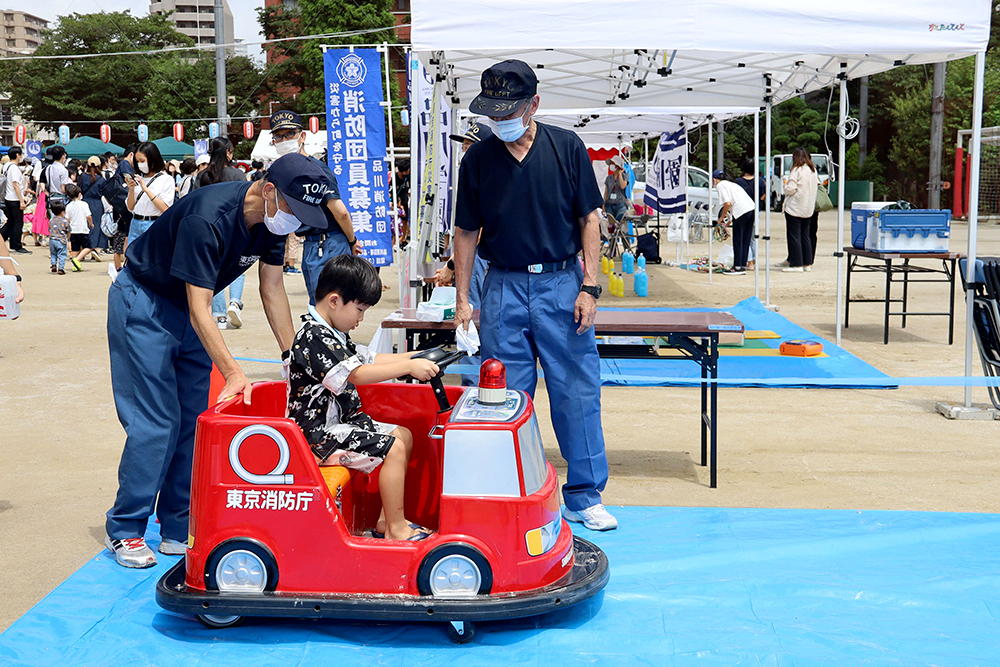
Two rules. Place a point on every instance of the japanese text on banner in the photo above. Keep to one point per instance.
(356, 146)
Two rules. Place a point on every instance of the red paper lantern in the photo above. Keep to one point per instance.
(248, 130)
(178, 132)
(314, 124)
(20, 134)
(106, 133)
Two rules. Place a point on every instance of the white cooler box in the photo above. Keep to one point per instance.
(914, 230)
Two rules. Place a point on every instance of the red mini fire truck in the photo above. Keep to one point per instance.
(274, 534)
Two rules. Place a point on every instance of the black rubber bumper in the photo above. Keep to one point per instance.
(589, 576)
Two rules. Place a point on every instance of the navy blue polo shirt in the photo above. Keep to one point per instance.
(529, 211)
(203, 240)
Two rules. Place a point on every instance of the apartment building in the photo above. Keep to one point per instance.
(22, 33)
(196, 19)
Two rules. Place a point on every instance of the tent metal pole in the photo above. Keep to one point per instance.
(767, 207)
(711, 229)
(756, 203)
(838, 252)
(974, 164)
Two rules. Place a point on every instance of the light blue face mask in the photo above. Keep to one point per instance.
(513, 129)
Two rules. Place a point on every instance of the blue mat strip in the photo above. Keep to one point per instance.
(688, 585)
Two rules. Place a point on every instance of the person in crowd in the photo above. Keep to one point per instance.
(73, 169)
(615, 184)
(403, 200)
(746, 182)
(200, 165)
(110, 165)
(91, 182)
(150, 191)
(538, 304)
(799, 206)
(116, 191)
(7, 268)
(173, 169)
(59, 230)
(338, 238)
(323, 367)
(187, 169)
(56, 174)
(256, 171)
(735, 201)
(40, 217)
(292, 247)
(163, 339)
(80, 225)
(220, 170)
(15, 201)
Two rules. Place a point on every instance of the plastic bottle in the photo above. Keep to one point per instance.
(642, 262)
(628, 262)
(604, 265)
(620, 285)
(641, 283)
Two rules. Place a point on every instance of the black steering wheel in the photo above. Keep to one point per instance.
(442, 359)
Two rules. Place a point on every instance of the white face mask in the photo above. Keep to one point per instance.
(142, 167)
(287, 146)
(281, 223)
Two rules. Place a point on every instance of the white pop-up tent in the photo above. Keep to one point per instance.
(703, 53)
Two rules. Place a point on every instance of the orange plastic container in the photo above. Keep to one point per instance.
(801, 348)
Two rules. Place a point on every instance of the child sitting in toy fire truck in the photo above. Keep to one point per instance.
(323, 366)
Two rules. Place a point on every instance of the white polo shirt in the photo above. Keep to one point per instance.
(735, 195)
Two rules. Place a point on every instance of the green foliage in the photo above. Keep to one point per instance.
(123, 88)
(295, 78)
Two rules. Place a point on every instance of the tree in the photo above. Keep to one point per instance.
(295, 76)
(92, 89)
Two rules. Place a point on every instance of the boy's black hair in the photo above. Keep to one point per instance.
(57, 152)
(73, 190)
(257, 164)
(403, 165)
(352, 277)
(58, 207)
(747, 166)
(13, 152)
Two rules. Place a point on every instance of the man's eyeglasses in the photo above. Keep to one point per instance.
(285, 136)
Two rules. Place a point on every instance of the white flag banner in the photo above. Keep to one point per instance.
(666, 184)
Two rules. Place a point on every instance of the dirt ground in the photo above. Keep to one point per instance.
(822, 448)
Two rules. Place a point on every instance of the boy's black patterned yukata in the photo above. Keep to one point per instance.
(325, 405)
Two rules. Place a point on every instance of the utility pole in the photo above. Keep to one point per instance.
(863, 124)
(220, 69)
(937, 137)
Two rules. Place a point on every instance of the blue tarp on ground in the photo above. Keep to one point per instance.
(706, 586)
(839, 364)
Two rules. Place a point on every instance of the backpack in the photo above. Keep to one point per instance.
(108, 224)
(648, 245)
(115, 191)
(4, 177)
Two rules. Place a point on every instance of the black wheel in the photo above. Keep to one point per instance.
(216, 621)
(461, 632)
(241, 565)
(455, 571)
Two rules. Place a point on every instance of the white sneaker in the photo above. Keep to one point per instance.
(223, 322)
(234, 313)
(594, 517)
(792, 269)
(131, 552)
(808, 268)
(172, 547)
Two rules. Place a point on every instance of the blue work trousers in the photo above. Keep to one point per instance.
(160, 378)
(316, 250)
(526, 317)
(219, 303)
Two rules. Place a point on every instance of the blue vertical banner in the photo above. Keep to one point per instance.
(356, 145)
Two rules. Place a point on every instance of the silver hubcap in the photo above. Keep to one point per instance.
(220, 620)
(241, 571)
(455, 577)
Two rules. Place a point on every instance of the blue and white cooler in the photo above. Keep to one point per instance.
(875, 228)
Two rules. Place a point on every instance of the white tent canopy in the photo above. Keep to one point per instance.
(703, 54)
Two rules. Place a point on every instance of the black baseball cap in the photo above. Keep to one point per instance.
(476, 133)
(285, 120)
(504, 86)
(304, 185)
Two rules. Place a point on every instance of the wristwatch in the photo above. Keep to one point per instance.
(354, 242)
(592, 290)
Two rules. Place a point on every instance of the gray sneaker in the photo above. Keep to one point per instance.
(594, 517)
(234, 314)
(131, 552)
(171, 547)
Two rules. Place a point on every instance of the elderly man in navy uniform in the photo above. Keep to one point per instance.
(163, 338)
(531, 192)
